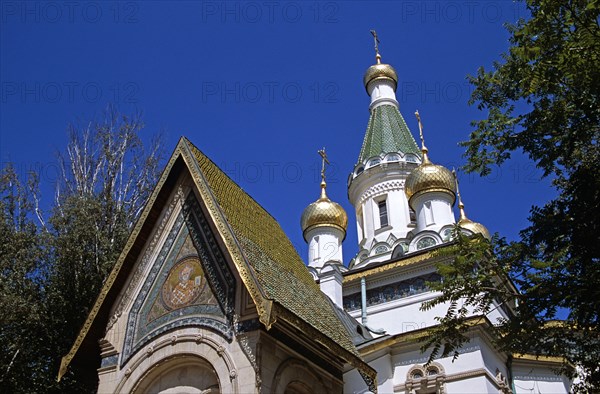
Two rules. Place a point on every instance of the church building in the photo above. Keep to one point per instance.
(210, 296)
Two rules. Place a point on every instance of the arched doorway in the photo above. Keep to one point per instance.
(181, 375)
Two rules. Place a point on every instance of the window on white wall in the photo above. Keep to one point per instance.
(422, 380)
(425, 242)
(383, 213)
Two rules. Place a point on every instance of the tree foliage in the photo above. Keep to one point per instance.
(21, 278)
(53, 270)
(542, 98)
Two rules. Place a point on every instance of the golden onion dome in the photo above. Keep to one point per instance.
(324, 213)
(468, 224)
(380, 71)
(474, 227)
(429, 177)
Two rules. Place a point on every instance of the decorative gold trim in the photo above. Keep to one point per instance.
(386, 267)
(541, 359)
(323, 225)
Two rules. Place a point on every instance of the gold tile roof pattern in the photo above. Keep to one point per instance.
(278, 267)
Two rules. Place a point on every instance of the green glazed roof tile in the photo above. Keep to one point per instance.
(387, 132)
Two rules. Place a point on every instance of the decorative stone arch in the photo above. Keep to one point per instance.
(446, 233)
(422, 379)
(180, 374)
(424, 235)
(175, 351)
(393, 157)
(399, 248)
(379, 248)
(295, 376)
(361, 256)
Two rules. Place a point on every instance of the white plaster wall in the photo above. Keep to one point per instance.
(534, 378)
(385, 373)
(476, 385)
(496, 314)
(330, 281)
(325, 244)
(354, 383)
(441, 207)
(382, 92)
(464, 375)
(398, 217)
(398, 222)
(386, 178)
(492, 360)
(470, 359)
(403, 315)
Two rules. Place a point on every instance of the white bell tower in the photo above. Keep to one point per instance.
(376, 186)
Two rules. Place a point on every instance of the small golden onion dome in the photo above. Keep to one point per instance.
(324, 213)
(474, 227)
(429, 177)
(380, 71)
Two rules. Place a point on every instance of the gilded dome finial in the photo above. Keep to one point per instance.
(423, 147)
(461, 206)
(376, 40)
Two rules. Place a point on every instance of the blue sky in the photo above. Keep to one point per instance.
(259, 87)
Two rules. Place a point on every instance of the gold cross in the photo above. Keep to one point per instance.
(420, 128)
(323, 161)
(376, 39)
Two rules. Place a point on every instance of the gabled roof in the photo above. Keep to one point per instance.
(269, 266)
(387, 132)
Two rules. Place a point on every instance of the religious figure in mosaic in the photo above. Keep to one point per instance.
(183, 285)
